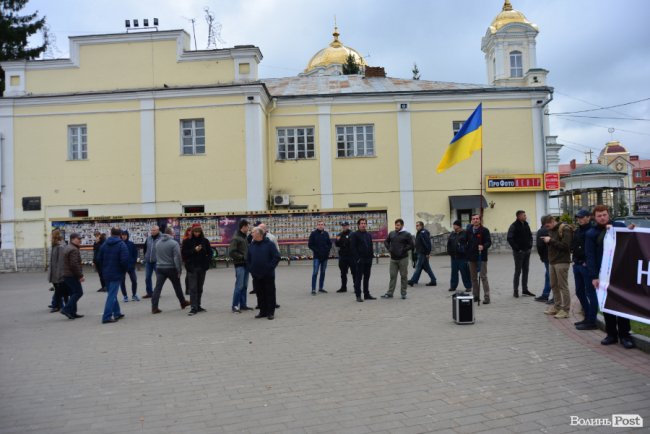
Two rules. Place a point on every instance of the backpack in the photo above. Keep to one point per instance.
(560, 231)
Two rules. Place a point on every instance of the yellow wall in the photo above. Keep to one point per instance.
(114, 66)
(111, 174)
(219, 174)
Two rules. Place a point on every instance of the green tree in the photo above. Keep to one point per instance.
(351, 67)
(416, 72)
(15, 30)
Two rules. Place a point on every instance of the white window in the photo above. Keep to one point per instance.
(295, 143)
(77, 142)
(192, 136)
(355, 141)
(516, 66)
(456, 126)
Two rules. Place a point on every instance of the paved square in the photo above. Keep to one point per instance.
(325, 364)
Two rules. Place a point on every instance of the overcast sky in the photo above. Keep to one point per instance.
(597, 51)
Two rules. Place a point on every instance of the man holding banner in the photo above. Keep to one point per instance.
(617, 327)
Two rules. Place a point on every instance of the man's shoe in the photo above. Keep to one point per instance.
(192, 312)
(184, 304)
(561, 314)
(515, 293)
(359, 299)
(342, 290)
(203, 310)
(609, 340)
(146, 296)
(628, 343)
(125, 299)
(369, 297)
(550, 301)
(476, 299)
(587, 326)
(66, 314)
(76, 315)
(155, 310)
(54, 309)
(579, 322)
(410, 283)
(235, 310)
(109, 321)
(550, 311)
(102, 290)
(541, 298)
(241, 308)
(119, 317)
(527, 293)
(270, 317)
(387, 295)
(313, 293)
(135, 298)
(451, 289)
(486, 301)
(403, 296)
(323, 291)
(252, 292)
(259, 315)
(432, 284)
(277, 306)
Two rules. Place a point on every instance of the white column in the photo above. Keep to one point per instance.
(500, 62)
(553, 165)
(148, 156)
(325, 160)
(407, 201)
(7, 175)
(255, 185)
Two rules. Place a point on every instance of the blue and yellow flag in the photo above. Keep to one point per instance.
(468, 139)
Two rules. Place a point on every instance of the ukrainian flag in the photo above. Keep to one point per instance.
(468, 139)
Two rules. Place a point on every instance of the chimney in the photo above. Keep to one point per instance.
(573, 164)
(375, 71)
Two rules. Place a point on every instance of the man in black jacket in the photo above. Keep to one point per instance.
(457, 249)
(398, 243)
(585, 290)
(238, 250)
(542, 251)
(197, 254)
(262, 259)
(320, 244)
(521, 240)
(362, 256)
(345, 256)
(422, 251)
(477, 253)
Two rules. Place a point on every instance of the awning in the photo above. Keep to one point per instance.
(467, 202)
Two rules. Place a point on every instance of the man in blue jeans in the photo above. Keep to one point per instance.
(585, 291)
(150, 259)
(238, 250)
(457, 249)
(422, 252)
(320, 244)
(114, 259)
(542, 251)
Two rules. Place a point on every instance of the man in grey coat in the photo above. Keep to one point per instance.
(168, 266)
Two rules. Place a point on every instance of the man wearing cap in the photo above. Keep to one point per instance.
(585, 291)
(72, 276)
(422, 250)
(345, 255)
(520, 239)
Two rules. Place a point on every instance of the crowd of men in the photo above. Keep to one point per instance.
(255, 253)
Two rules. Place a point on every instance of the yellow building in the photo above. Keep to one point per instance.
(139, 124)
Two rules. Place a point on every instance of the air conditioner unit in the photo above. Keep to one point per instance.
(280, 199)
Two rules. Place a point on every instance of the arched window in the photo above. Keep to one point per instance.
(516, 66)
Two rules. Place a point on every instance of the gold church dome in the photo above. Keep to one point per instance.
(509, 15)
(335, 54)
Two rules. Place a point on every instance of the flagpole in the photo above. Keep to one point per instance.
(480, 193)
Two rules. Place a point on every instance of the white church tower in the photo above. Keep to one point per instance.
(509, 47)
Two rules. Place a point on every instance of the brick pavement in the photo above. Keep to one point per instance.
(326, 364)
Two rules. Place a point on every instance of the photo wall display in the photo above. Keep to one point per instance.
(289, 228)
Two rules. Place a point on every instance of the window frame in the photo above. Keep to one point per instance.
(355, 146)
(283, 154)
(193, 129)
(455, 124)
(79, 132)
(516, 71)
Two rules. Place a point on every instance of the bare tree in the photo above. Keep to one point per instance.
(214, 29)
